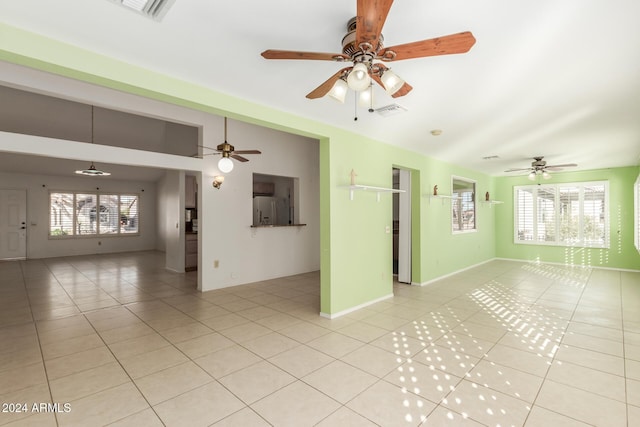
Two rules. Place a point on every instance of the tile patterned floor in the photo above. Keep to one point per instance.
(124, 342)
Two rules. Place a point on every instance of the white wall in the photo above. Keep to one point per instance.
(39, 245)
(247, 254)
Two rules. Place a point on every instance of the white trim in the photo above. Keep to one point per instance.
(435, 279)
(356, 308)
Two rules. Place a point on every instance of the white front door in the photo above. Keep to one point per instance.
(13, 224)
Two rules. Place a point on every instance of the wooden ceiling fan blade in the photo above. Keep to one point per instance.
(293, 54)
(247, 152)
(325, 87)
(446, 45)
(371, 15)
(239, 158)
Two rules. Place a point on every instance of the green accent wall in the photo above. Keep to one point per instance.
(621, 252)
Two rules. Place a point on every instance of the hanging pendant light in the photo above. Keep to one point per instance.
(92, 170)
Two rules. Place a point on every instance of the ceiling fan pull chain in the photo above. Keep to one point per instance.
(355, 107)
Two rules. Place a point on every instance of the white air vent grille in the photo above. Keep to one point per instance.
(154, 9)
(391, 110)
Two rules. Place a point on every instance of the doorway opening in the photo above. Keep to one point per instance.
(402, 225)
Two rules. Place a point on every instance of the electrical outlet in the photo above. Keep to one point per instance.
(216, 263)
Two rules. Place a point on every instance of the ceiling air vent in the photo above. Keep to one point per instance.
(154, 9)
(391, 110)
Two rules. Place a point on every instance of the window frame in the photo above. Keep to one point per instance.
(455, 200)
(97, 195)
(557, 215)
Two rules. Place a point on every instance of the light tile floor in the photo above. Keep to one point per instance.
(124, 342)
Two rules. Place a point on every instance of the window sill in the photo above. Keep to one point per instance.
(92, 236)
(562, 245)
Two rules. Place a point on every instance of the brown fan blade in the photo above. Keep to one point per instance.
(325, 87)
(405, 89)
(292, 54)
(446, 45)
(239, 158)
(371, 15)
(247, 152)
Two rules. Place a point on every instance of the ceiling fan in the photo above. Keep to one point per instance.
(228, 152)
(540, 167)
(363, 45)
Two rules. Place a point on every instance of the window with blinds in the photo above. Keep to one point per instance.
(75, 214)
(574, 214)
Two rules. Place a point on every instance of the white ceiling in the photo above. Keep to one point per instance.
(553, 78)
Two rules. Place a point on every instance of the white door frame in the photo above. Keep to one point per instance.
(13, 224)
(404, 227)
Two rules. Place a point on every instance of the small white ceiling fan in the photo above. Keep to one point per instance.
(540, 167)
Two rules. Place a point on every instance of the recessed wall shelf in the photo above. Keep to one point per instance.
(377, 190)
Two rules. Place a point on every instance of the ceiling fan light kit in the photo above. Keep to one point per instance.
(225, 165)
(392, 83)
(339, 90)
(363, 46)
(359, 78)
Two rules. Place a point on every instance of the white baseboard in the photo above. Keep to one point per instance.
(435, 279)
(357, 307)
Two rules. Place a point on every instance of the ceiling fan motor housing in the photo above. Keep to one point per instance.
(225, 148)
(359, 53)
(538, 165)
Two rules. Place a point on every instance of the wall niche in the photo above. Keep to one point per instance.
(275, 200)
